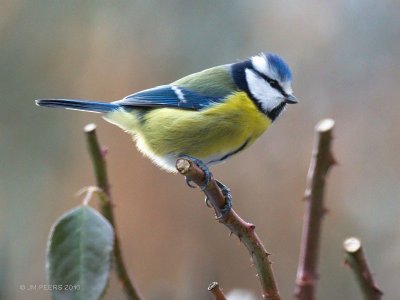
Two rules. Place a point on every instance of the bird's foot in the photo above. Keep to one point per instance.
(207, 178)
(203, 167)
(228, 200)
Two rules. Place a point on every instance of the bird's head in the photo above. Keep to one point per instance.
(267, 79)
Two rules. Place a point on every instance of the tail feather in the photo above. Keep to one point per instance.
(98, 107)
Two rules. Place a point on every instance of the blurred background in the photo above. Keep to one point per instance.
(344, 56)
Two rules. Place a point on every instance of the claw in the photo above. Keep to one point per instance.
(207, 201)
(224, 189)
(188, 183)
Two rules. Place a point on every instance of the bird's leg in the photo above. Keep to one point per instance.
(203, 167)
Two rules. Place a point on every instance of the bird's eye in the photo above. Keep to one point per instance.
(273, 83)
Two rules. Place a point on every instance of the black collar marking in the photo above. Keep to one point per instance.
(273, 114)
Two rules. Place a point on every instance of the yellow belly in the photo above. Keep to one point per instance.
(210, 134)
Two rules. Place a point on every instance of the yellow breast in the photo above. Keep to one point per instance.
(209, 134)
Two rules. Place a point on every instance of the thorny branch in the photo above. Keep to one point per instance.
(356, 260)
(243, 230)
(321, 162)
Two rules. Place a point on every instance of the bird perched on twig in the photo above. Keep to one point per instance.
(208, 116)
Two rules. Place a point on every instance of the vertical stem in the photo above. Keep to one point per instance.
(321, 161)
(355, 258)
(106, 208)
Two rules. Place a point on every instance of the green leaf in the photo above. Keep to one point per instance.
(79, 254)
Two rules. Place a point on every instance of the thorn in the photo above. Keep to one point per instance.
(332, 160)
(104, 151)
(345, 263)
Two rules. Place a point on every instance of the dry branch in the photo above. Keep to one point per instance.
(243, 230)
(321, 161)
(106, 208)
(356, 260)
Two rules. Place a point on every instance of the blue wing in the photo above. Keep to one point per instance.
(170, 96)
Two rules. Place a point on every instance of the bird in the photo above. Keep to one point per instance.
(209, 116)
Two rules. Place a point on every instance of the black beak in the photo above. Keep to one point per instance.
(290, 99)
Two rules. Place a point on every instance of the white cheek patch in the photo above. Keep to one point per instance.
(268, 97)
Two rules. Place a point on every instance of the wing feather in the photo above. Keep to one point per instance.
(193, 92)
(168, 96)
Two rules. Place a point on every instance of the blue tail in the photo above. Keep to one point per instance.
(98, 107)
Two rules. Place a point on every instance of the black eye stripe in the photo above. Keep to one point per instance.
(272, 82)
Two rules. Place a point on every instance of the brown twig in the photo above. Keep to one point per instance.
(243, 230)
(216, 291)
(356, 260)
(321, 161)
(106, 208)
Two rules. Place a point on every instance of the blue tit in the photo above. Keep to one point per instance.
(210, 115)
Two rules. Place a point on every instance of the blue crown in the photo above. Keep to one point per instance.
(279, 66)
